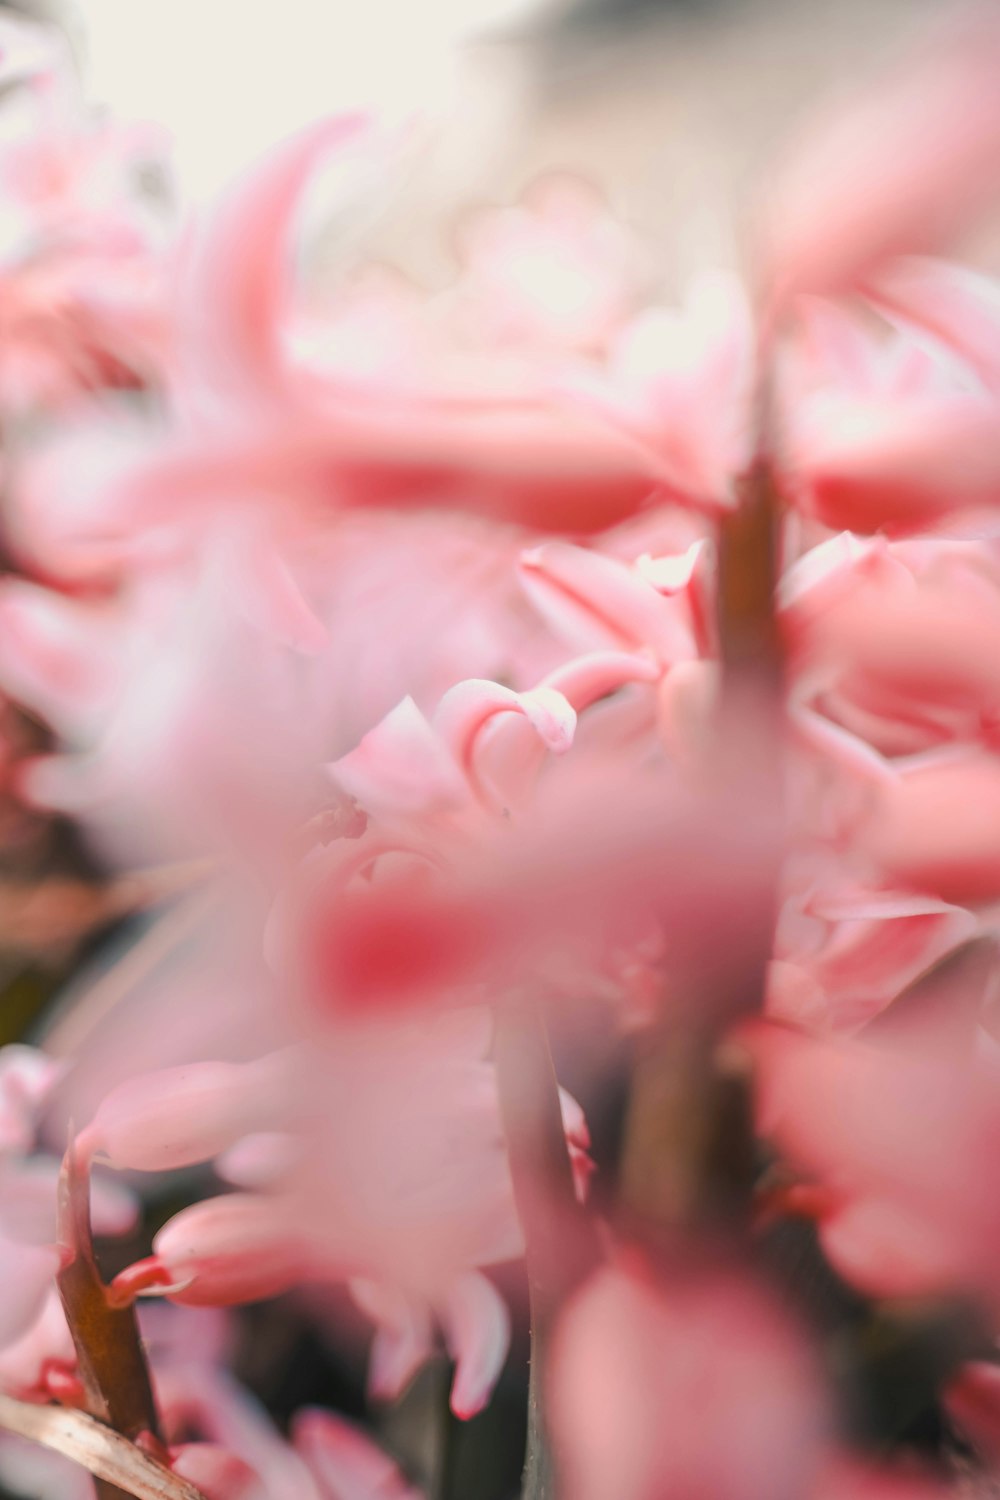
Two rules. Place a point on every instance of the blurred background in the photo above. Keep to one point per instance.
(675, 107)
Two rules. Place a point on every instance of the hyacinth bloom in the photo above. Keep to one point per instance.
(361, 1178)
(333, 439)
(81, 256)
(890, 428)
(496, 659)
(881, 1122)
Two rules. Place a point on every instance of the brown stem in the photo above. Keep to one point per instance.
(111, 1362)
(748, 570)
(688, 1158)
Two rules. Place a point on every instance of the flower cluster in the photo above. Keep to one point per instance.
(462, 663)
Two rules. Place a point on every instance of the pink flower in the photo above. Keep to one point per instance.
(892, 432)
(897, 1128)
(696, 1385)
(82, 257)
(887, 637)
(845, 951)
(346, 1463)
(391, 1172)
(679, 385)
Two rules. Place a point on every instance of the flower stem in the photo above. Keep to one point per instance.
(110, 1357)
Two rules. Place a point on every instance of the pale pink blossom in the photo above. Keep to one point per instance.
(679, 385)
(886, 428)
(887, 638)
(188, 728)
(897, 1128)
(693, 1384)
(395, 1177)
(82, 253)
(843, 951)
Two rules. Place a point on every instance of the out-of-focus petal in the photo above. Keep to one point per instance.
(219, 1475)
(901, 170)
(403, 1339)
(662, 1391)
(345, 1462)
(477, 1332)
(234, 277)
(161, 1121)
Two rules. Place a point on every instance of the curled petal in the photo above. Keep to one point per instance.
(235, 273)
(465, 711)
(589, 678)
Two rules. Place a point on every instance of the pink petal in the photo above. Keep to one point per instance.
(469, 707)
(897, 465)
(403, 1339)
(347, 1464)
(233, 1249)
(958, 307)
(902, 170)
(401, 766)
(253, 570)
(234, 280)
(56, 654)
(477, 1331)
(27, 1274)
(598, 603)
(973, 1404)
(936, 826)
(174, 1118)
(218, 1474)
